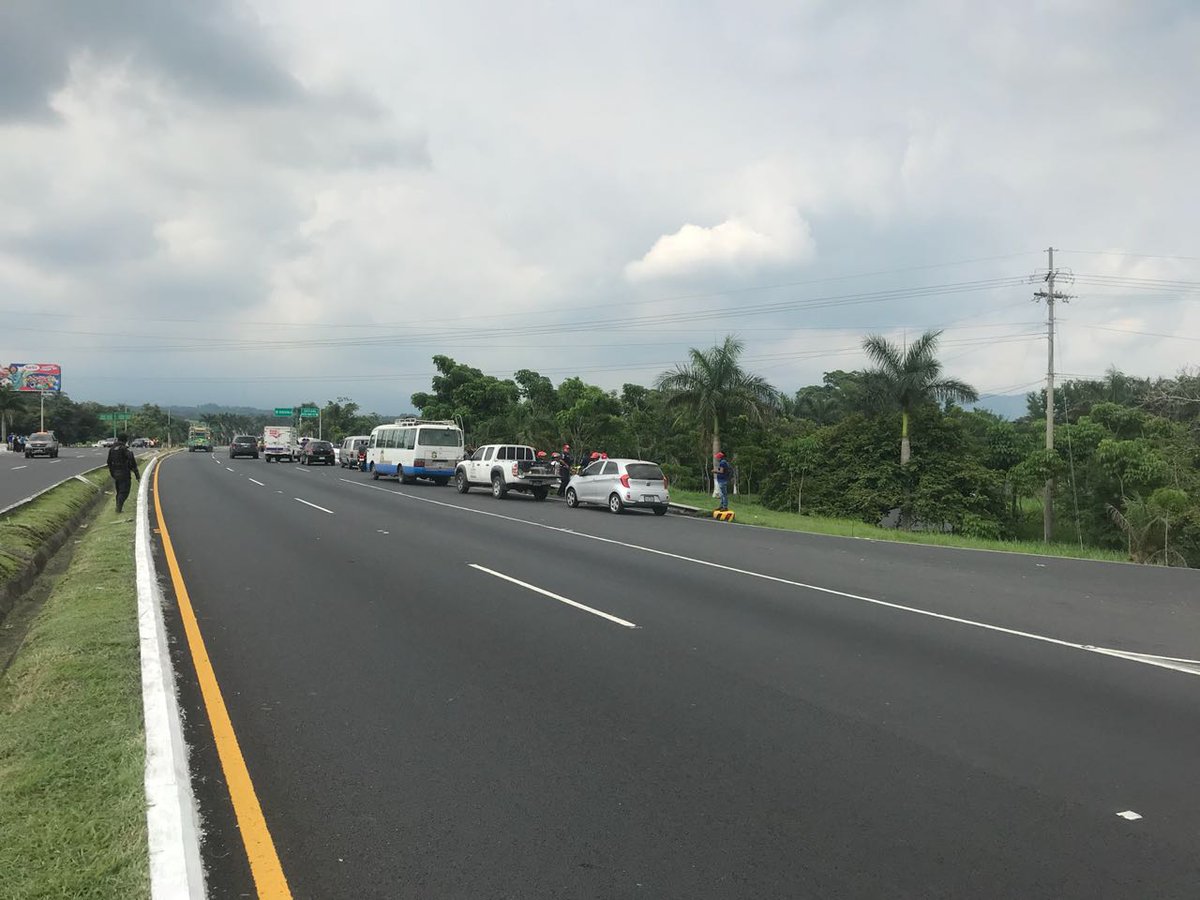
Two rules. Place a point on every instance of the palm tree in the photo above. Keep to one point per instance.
(714, 387)
(910, 377)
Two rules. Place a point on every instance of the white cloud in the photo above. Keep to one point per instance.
(741, 245)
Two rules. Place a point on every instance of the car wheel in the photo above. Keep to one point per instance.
(540, 493)
(374, 474)
(660, 510)
(615, 505)
(572, 498)
(460, 482)
(499, 488)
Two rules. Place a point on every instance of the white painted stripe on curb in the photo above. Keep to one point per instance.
(172, 822)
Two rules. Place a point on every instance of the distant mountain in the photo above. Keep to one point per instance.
(1007, 406)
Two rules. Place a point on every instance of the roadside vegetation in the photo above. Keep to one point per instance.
(72, 801)
(749, 511)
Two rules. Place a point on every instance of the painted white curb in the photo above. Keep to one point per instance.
(172, 821)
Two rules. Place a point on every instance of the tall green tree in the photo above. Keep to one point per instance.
(713, 385)
(910, 377)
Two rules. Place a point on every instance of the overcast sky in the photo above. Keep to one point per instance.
(275, 201)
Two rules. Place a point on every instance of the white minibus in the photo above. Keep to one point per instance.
(410, 449)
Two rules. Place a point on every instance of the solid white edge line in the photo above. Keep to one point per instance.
(172, 821)
(314, 506)
(256, 481)
(553, 596)
(1190, 666)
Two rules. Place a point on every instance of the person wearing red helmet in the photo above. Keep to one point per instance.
(722, 473)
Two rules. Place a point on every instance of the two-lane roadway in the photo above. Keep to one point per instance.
(438, 695)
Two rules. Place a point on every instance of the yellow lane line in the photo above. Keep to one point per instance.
(264, 861)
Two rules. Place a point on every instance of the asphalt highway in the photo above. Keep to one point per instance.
(440, 695)
(21, 477)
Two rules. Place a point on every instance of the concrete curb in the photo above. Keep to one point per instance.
(172, 819)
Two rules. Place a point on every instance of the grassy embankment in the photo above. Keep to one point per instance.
(748, 511)
(72, 802)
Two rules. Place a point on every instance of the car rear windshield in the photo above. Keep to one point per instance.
(644, 471)
(41, 436)
(245, 440)
(320, 445)
(439, 437)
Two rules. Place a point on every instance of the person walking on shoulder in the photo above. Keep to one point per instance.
(722, 473)
(121, 465)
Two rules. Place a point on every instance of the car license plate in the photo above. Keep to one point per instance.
(649, 498)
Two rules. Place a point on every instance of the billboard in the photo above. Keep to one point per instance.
(31, 377)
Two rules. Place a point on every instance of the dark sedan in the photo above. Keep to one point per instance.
(315, 452)
(243, 445)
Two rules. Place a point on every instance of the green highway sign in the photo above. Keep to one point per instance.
(284, 411)
(309, 412)
(114, 417)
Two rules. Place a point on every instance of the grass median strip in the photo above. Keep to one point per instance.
(72, 800)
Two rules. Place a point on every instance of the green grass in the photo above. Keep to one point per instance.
(24, 530)
(748, 511)
(72, 802)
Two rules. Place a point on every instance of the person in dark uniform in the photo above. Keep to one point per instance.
(121, 465)
(564, 469)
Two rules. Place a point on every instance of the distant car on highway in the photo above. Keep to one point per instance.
(243, 445)
(139, 442)
(41, 443)
(315, 451)
(620, 484)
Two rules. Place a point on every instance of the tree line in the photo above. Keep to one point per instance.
(890, 443)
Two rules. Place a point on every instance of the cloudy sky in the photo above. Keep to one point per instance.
(268, 201)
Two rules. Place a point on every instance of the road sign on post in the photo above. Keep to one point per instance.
(309, 412)
(114, 417)
(285, 411)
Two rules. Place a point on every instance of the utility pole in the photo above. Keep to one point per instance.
(1049, 295)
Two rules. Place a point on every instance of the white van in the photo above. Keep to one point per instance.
(415, 448)
(347, 453)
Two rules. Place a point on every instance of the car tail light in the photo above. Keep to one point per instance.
(624, 481)
(516, 473)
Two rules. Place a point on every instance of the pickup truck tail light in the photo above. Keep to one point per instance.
(516, 468)
(625, 481)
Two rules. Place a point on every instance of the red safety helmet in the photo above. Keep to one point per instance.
(604, 456)
(720, 455)
(541, 453)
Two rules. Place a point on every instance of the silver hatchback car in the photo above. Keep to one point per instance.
(620, 484)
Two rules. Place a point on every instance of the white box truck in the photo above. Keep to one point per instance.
(279, 442)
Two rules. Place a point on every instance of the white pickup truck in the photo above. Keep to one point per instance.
(506, 467)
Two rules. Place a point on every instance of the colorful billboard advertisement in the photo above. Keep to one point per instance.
(31, 377)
